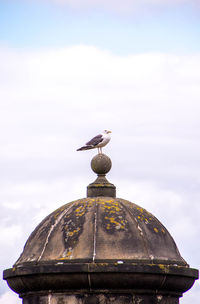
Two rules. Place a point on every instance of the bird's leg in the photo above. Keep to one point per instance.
(101, 150)
(98, 150)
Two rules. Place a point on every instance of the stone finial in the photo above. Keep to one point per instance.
(101, 164)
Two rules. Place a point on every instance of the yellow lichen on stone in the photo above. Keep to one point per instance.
(111, 207)
(71, 233)
(108, 226)
(67, 254)
(140, 209)
(113, 214)
(113, 221)
(80, 210)
(163, 267)
(144, 216)
(90, 202)
(56, 214)
(155, 229)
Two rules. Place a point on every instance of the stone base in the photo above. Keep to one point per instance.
(101, 298)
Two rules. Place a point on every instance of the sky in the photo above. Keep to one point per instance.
(69, 70)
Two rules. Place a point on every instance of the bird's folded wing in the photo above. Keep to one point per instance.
(95, 141)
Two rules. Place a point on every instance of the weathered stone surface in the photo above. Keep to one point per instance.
(97, 277)
(101, 229)
(101, 298)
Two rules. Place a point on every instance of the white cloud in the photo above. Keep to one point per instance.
(10, 297)
(54, 100)
(10, 234)
(125, 6)
(128, 3)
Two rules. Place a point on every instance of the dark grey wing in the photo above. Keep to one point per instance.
(95, 141)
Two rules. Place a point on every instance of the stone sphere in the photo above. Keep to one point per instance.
(101, 164)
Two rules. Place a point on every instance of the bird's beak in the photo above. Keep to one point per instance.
(109, 131)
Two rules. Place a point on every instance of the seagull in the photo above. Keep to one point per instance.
(98, 141)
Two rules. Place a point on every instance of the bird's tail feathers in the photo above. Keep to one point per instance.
(85, 148)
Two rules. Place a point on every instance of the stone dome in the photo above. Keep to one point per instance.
(101, 229)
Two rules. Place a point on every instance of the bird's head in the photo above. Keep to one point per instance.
(107, 131)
